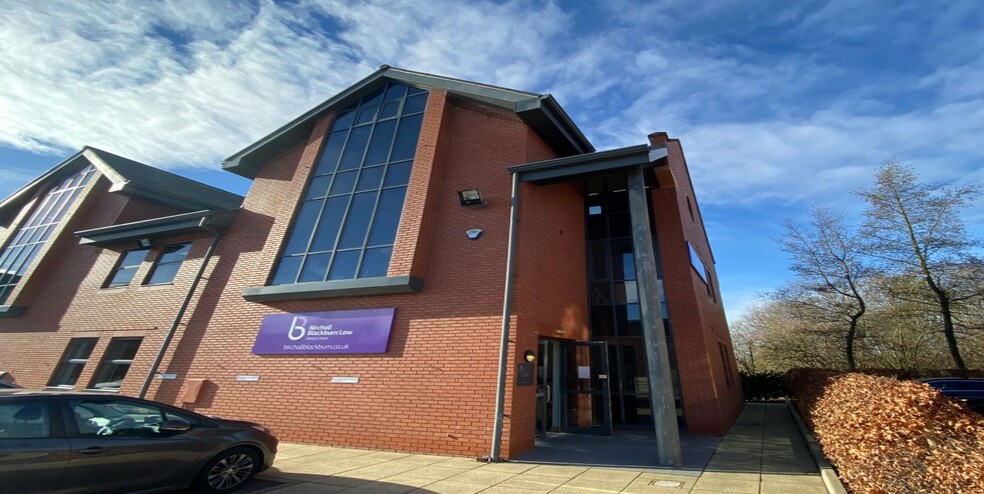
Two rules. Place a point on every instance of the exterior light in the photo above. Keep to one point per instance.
(470, 197)
(529, 356)
(144, 243)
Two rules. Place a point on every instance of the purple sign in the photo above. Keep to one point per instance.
(346, 331)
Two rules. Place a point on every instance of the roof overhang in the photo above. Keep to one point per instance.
(540, 112)
(168, 226)
(129, 178)
(572, 167)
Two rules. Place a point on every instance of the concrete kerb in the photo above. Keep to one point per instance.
(827, 473)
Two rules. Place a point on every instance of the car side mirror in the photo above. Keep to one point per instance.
(175, 426)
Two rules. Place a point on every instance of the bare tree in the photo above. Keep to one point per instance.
(915, 227)
(747, 342)
(784, 335)
(828, 259)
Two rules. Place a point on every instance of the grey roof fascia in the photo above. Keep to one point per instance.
(543, 110)
(247, 161)
(549, 119)
(168, 226)
(585, 164)
(130, 178)
(177, 198)
(493, 95)
(133, 178)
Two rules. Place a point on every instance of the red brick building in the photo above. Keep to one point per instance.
(360, 294)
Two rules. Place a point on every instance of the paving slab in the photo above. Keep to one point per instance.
(763, 453)
(449, 487)
(598, 485)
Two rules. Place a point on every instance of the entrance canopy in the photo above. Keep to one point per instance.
(567, 168)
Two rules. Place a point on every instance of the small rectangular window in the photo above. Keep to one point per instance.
(115, 363)
(127, 266)
(72, 362)
(168, 264)
(726, 365)
(697, 263)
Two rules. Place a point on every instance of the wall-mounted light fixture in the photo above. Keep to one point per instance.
(529, 356)
(144, 243)
(470, 197)
(473, 234)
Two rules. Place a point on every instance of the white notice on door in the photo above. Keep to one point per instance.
(584, 372)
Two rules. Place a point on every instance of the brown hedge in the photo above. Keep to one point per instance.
(890, 436)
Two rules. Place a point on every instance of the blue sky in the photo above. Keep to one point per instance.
(779, 105)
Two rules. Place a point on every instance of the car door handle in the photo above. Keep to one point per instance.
(90, 451)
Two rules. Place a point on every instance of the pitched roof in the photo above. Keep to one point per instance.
(129, 178)
(540, 111)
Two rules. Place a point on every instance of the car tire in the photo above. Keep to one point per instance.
(228, 471)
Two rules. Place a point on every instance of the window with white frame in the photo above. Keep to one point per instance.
(127, 267)
(72, 362)
(167, 265)
(115, 363)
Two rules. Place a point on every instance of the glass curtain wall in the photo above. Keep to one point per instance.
(347, 221)
(614, 299)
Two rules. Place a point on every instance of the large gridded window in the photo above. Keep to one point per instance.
(73, 361)
(347, 221)
(115, 363)
(33, 233)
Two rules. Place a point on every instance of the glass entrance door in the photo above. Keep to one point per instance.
(587, 407)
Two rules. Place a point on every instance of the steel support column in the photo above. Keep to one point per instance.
(653, 330)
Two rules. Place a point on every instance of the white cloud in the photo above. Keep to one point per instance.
(188, 83)
(227, 73)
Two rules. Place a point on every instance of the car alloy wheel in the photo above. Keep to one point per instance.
(230, 470)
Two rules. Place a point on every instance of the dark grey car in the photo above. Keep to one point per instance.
(68, 442)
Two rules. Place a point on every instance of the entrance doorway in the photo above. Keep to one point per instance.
(573, 392)
(548, 386)
(586, 400)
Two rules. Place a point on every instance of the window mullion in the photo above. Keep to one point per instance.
(375, 204)
(324, 202)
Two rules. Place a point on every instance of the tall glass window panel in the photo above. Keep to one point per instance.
(346, 225)
(17, 256)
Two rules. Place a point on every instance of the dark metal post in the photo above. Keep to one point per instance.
(178, 316)
(657, 353)
(500, 397)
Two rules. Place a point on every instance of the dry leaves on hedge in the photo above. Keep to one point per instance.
(891, 436)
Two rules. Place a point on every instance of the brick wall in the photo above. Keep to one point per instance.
(64, 296)
(697, 318)
(434, 390)
(550, 289)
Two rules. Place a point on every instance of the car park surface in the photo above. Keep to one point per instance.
(76, 442)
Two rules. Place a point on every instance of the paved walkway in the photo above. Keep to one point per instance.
(761, 454)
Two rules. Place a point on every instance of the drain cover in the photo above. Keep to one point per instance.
(666, 483)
